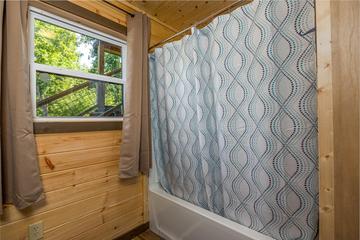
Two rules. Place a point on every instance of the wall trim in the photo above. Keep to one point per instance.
(68, 127)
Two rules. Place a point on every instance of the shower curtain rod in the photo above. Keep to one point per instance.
(239, 2)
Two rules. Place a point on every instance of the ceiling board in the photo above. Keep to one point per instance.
(167, 17)
(180, 14)
(102, 9)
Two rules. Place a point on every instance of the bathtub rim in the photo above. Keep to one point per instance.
(155, 188)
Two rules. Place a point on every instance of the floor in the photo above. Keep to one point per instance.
(147, 235)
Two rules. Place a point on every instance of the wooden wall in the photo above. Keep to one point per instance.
(85, 199)
(338, 34)
(325, 121)
(345, 34)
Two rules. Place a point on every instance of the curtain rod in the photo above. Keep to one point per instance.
(242, 2)
(118, 8)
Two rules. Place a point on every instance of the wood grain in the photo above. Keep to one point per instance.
(345, 33)
(338, 33)
(167, 17)
(102, 9)
(180, 14)
(72, 177)
(85, 199)
(80, 158)
(147, 235)
(113, 228)
(56, 217)
(159, 30)
(67, 142)
(325, 121)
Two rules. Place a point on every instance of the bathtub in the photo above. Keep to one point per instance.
(175, 219)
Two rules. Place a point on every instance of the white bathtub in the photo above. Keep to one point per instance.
(175, 219)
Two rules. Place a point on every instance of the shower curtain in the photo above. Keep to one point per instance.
(234, 118)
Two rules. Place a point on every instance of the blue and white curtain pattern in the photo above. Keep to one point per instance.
(234, 118)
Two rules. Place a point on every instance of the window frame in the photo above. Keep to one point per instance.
(35, 13)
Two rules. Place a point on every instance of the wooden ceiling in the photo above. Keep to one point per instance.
(180, 14)
(167, 17)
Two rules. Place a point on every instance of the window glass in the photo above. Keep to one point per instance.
(76, 72)
(60, 47)
(60, 96)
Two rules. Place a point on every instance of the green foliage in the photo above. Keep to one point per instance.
(56, 46)
(59, 47)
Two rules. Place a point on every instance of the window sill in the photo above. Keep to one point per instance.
(43, 126)
(77, 119)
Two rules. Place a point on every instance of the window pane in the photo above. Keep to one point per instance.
(60, 96)
(113, 64)
(59, 47)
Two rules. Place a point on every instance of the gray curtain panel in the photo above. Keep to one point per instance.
(135, 151)
(21, 183)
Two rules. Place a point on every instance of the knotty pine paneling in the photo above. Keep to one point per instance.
(67, 142)
(85, 199)
(338, 59)
(325, 120)
(102, 9)
(180, 14)
(72, 177)
(345, 35)
(69, 160)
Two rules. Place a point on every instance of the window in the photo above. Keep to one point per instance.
(77, 73)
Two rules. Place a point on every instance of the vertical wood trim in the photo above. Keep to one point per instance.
(325, 121)
(145, 195)
(346, 62)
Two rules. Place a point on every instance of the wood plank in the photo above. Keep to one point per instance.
(83, 191)
(145, 192)
(121, 208)
(75, 227)
(345, 33)
(80, 225)
(66, 142)
(100, 8)
(72, 194)
(325, 121)
(180, 14)
(159, 32)
(127, 6)
(114, 228)
(119, 195)
(75, 159)
(62, 179)
(56, 217)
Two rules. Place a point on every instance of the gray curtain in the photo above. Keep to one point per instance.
(135, 151)
(21, 183)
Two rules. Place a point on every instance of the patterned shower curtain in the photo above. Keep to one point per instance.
(234, 118)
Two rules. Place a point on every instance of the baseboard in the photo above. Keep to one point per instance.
(134, 232)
